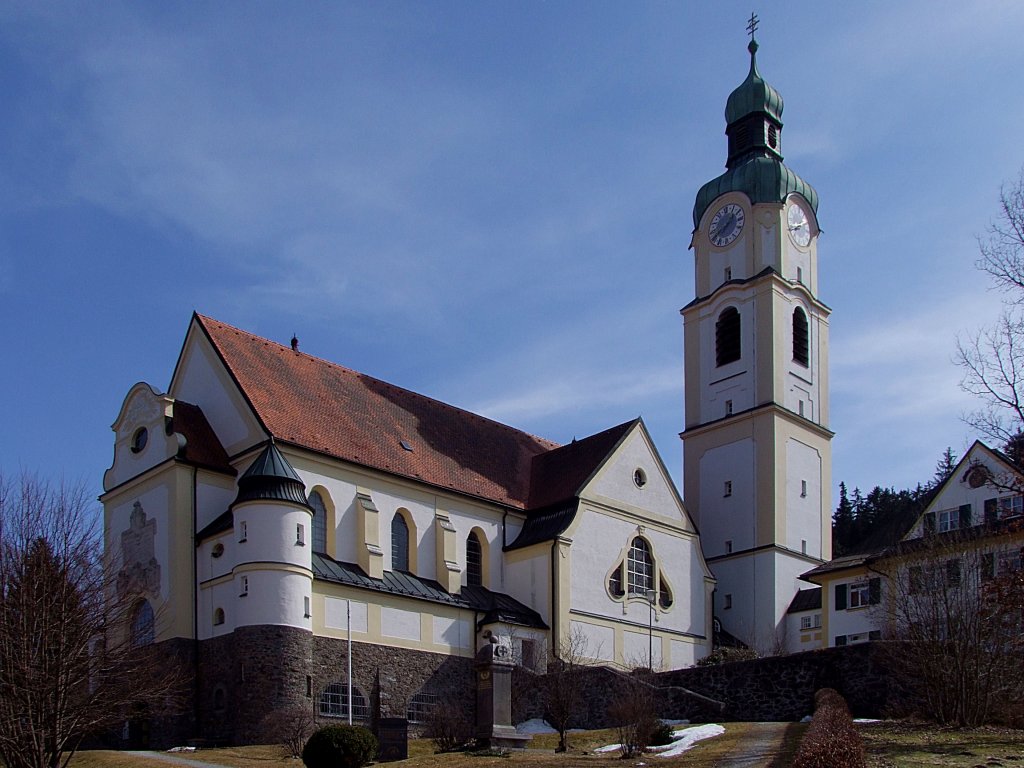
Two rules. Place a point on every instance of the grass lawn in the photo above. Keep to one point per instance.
(896, 744)
(704, 754)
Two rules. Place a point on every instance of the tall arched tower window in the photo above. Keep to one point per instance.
(474, 560)
(801, 338)
(316, 501)
(727, 336)
(399, 543)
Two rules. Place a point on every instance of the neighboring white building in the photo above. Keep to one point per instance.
(270, 498)
(972, 509)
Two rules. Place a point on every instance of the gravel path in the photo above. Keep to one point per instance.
(758, 748)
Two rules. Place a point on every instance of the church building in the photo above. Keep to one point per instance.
(296, 533)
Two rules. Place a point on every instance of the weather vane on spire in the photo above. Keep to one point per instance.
(752, 25)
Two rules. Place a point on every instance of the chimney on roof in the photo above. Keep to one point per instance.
(295, 343)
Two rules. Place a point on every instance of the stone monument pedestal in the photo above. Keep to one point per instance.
(494, 727)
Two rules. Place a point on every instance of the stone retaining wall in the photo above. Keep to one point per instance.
(779, 688)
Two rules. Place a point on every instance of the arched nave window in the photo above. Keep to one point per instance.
(316, 501)
(474, 560)
(399, 543)
(727, 336)
(142, 624)
(801, 338)
(334, 702)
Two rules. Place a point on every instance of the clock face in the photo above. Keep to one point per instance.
(726, 225)
(799, 229)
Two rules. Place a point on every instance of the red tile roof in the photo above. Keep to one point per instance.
(334, 410)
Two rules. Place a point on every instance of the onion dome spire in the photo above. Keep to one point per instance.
(753, 116)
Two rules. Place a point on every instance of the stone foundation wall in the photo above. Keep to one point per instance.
(389, 677)
(252, 672)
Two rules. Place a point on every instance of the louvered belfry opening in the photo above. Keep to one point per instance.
(727, 337)
(801, 339)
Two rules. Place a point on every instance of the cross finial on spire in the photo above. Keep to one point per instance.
(752, 25)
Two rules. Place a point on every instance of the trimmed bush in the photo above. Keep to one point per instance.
(340, 746)
(662, 734)
(724, 655)
(831, 740)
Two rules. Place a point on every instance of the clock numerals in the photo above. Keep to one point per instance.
(726, 224)
(799, 228)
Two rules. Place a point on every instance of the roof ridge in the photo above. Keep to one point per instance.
(206, 318)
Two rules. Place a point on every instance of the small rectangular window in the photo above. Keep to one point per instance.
(805, 622)
(800, 275)
(803, 488)
(803, 546)
(840, 640)
(728, 274)
(305, 604)
(243, 530)
(728, 602)
(245, 587)
(300, 535)
(728, 546)
(728, 407)
(727, 491)
(800, 407)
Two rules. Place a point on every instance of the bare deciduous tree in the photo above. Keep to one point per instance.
(291, 727)
(68, 666)
(993, 359)
(563, 684)
(953, 611)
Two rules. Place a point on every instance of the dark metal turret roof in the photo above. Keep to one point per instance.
(270, 477)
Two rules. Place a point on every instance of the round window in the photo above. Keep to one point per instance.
(218, 549)
(139, 439)
(639, 477)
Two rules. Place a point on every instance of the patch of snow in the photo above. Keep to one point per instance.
(685, 739)
(682, 740)
(182, 749)
(806, 719)
(865, 720)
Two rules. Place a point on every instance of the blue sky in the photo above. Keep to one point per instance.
(485, 202)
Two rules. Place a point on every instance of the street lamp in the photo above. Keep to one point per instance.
(650, 595)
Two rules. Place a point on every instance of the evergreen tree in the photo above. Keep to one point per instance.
(944, 468)
(842, 523)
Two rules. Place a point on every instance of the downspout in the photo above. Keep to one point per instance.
(195, 603)
(556, 650)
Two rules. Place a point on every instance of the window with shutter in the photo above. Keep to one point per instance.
(874, 591)
(965, 516)
(991, 510)
(840, 597)
(929, 524)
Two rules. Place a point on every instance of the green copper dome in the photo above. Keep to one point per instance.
(753, 95)
(762, 179)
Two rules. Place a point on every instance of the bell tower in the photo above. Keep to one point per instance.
(756, 444)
